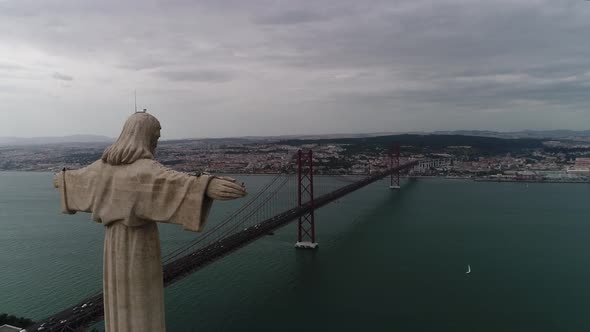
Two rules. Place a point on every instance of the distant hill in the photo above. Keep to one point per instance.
(540, 134)
(481, 145)
(261, 139)
(583, 135)
(54, 140)
(543, 134)
(536, 134)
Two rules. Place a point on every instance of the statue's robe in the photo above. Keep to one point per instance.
(128, 200)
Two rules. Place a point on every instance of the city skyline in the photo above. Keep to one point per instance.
(269, 68)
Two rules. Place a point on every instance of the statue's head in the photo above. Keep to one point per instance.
(138, 140)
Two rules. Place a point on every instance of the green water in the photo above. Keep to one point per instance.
(388, 261)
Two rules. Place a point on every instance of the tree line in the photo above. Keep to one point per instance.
(15, 321)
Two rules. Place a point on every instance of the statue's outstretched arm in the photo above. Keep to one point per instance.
(57, 179)
(225, 188)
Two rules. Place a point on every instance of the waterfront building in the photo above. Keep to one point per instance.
(10, 328)
(579, 171)
(582, 163)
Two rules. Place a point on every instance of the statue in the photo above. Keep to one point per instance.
(129, 193)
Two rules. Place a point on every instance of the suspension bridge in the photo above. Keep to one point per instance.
(274, 206)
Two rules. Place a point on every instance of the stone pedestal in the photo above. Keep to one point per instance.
(306, 245)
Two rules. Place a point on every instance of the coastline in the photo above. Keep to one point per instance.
(529, 181)
(439, 177)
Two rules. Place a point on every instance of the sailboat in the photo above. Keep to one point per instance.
(468, 269)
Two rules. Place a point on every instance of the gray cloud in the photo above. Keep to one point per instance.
(62, 77)
(10, 67)
(142, 62)
(290, 17)
(403, 65)
(211, 76)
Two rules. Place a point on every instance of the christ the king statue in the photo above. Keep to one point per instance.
(129, 193)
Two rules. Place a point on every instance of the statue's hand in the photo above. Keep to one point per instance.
(57, 180)
(224, 188)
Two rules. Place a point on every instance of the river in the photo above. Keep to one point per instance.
(388, 261)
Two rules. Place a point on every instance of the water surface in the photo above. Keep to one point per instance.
(387, 261)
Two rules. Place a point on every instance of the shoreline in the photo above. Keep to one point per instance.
(529, 181)
(475, 179)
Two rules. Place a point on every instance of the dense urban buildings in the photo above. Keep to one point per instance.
(482, 158)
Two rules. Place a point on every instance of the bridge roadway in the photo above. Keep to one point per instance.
(91, 309)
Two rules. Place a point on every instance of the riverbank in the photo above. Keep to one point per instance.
(533, 181)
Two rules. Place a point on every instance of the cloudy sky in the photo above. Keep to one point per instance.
(215, 68)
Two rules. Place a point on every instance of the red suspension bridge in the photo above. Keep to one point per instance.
(268, 210)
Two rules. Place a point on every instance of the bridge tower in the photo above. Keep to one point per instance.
(394, 163)
(306, 233)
